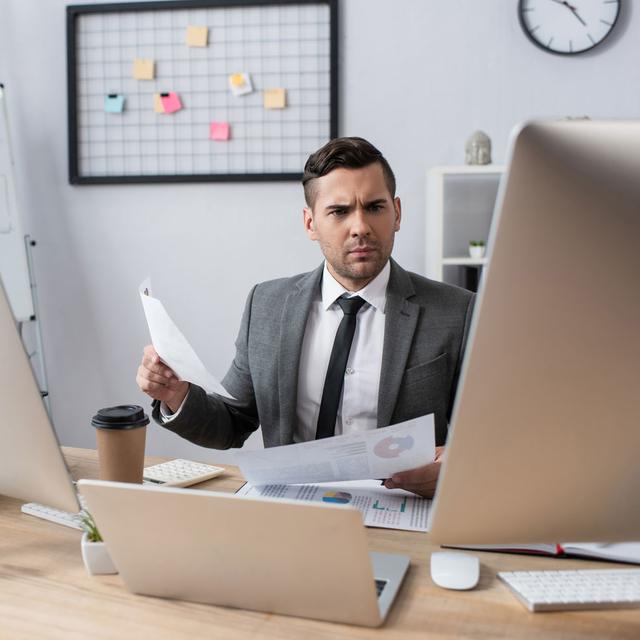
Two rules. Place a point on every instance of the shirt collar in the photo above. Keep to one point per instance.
(374, 293)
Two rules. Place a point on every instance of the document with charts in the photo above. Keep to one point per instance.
(361, 455)
(380, 507)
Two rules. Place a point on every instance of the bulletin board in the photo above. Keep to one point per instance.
(201, 90)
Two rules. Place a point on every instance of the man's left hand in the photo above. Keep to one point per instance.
(422, 480)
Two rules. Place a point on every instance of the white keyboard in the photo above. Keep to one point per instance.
(577, 589)
(58, 516)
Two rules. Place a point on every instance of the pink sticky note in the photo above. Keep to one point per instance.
(220, 131)
(170, 102)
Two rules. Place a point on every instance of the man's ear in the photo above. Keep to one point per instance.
(309, 223)
(397, 205)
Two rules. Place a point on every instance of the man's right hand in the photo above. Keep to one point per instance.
(159, 381)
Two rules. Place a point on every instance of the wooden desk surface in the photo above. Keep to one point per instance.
(45, 592)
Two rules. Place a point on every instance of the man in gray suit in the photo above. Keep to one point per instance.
(357, 344)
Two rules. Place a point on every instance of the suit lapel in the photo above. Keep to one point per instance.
(401, 317)
(294, 322)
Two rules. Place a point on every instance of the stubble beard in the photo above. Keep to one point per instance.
(362, 270)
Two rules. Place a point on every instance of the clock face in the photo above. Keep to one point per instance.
(568, 26)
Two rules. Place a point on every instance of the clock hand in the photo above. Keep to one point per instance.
(571, 8)
(576, 14)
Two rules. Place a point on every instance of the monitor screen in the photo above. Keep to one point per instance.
(32, 467)
(545, 433)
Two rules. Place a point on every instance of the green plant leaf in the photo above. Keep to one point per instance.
(90, 527)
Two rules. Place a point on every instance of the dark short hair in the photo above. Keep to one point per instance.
(346, 153)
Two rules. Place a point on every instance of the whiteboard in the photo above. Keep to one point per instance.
(118, 130)
(14, 267)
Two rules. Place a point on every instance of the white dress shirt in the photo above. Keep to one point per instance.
(358, 408)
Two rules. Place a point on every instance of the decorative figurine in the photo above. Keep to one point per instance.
(478, 148)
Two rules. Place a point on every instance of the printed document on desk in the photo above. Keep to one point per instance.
(380, 507)
(362, 455)
(173, 347)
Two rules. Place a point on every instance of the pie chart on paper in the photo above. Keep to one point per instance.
(337, 497)
(393, 446)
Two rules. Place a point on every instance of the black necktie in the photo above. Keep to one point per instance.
(337, 365)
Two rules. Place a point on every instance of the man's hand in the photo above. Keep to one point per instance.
(159, 381)
(422, 480)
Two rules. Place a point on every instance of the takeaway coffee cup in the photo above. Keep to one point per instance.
(120, 433)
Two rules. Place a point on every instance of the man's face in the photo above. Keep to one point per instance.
(354, 218)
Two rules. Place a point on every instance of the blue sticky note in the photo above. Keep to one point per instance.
(113, 103)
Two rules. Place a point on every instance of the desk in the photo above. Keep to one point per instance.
(45, 592)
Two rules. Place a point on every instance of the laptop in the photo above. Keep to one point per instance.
(274, 555)
(545, 431)
(32, 467)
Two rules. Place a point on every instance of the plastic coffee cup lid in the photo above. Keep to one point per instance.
(124, 416)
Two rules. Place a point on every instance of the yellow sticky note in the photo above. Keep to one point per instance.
(143, 69)
(237, 79)
(157, 103)
(274, 98)
(197, 36)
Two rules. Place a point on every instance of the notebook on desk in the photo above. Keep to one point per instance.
(628, 552)
(280, 556)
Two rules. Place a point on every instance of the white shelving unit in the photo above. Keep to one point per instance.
(460, 203)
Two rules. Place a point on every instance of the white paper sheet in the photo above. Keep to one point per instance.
(173, 348)
(378, 453)
(380, 507)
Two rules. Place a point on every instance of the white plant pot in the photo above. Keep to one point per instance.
(96, 558)
(476, 252)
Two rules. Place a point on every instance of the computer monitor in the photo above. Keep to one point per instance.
(545, 436)
(32, 467)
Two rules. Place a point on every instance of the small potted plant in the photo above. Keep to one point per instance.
(477, 249)
(95, 556)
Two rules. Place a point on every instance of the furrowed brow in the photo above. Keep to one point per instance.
(337, 205)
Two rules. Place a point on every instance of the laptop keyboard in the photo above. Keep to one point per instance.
(380, 585)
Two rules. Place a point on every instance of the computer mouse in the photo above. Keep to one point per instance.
(452, 570)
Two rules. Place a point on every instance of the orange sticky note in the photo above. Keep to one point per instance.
(220, 131)
(170, 102)
(157, 103)
(143, 69)
(274, 98)
(197, 36)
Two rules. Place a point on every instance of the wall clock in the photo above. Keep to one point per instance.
(568, 27)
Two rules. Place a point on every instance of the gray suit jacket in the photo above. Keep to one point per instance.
(426, 325)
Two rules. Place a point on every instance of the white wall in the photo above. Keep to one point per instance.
(417, 77)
